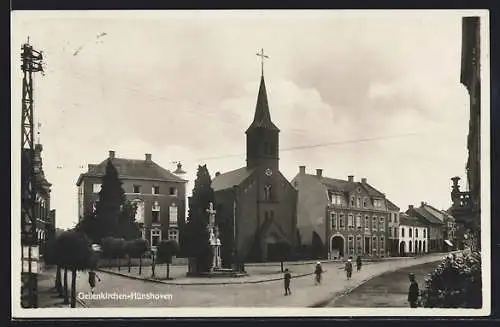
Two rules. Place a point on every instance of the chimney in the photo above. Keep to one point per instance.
(319, 172)
(302, 170)
(111, 154)
(422, 203)
(148, 156)
(350, 178)
(410, 207)
(363, 180)
(217, 173)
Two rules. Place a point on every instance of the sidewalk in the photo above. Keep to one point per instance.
(47, 296)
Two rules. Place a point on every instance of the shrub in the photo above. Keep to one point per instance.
(455, 283)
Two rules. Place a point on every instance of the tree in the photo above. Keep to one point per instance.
(76, 255)
(137, 250)
(129, 251)
(89, 225)
(111, 201)
(118, 246)
(196, 230)
(166, 250)
(50, 258)
(107, 248)
(127, 227)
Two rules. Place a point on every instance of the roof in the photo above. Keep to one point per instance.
(391, 206)
(262, 117)
(339, 185)
(407, 220)
(426, 215)
(433, 211)
(133, 169)
(231, 178)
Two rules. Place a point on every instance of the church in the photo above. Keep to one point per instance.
(256, 204)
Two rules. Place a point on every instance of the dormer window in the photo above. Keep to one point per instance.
(352, 201)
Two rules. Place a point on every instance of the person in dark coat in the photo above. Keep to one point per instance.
(318, 271)
(358, 263)
(413, 291)
(287, 278)
(92, 277)
(348, 268)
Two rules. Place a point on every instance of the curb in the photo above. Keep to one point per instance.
(151, 280)
(333, 298)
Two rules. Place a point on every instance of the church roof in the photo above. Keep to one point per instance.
(262, 117)
(132, 169)
(231, 178)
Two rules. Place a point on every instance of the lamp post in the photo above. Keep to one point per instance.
(235, 253)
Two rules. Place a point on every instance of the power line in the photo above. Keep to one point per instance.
(371, 139)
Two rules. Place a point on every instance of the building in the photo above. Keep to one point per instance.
(427, 215)
(450, 234)
(256, 204)
(393, 229)
(466, 207)
(160, 196)
(348, 217)
(45, 217)
(413, 236)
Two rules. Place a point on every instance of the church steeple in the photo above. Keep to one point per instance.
(262, 117)
(262, 135)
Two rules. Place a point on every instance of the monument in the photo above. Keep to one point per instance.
(214, 239)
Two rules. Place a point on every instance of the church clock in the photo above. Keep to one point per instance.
(268, 172)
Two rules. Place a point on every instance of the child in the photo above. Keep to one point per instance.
(287, 279)
(348, 268)
(413, 291)
(92, 277)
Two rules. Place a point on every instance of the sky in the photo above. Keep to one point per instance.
(183, 87)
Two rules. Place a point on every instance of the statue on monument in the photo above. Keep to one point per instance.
(214, 239)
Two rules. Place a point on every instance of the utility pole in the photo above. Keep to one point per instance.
(31, 63)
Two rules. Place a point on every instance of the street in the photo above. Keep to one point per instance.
(264, 294)
(387, 290)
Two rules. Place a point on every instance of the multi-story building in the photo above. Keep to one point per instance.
(45, 217)
(412, 236)
(350, 218)
(159, 195)
(393, 229)
(427, 215)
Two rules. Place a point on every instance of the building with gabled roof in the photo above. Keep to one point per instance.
(159, 195)
(434, 219)
(412, 236)
(341, 218)
(256, 204)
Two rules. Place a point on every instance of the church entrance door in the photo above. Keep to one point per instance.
(337, 247)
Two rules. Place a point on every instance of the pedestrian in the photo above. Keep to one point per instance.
(348, 268)
(318, 271)
(358, 263)
(413, 291)
(287, 279)
(92, 277)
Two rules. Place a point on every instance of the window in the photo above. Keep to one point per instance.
(352, 202)
(424, 233)
(358, 202)
(390, 232)
(395, 217)
(410, 232)
(377, 203)
(156, 213)
(365, 203)
(359, 245)
(382, 223)
(374, 223)
(96, 188)
(341, 221)
(409, 246)
(173, 234)
(351, 244)
(367, 223)
(267, 192)
(395, 232)
(358, 222)
(173, 215)
(155, 190)
(333, 220)
(143, 233)
(172, 191)
(374, 244)
(350, 223)
(139, 212)
(155, 237)
(402, 232)
(137, 189)
(381, 244)
(336, 199)
(416, 232)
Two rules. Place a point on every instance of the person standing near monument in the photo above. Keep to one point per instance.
(287, 277)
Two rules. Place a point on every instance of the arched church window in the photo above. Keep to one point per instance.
(267, 192)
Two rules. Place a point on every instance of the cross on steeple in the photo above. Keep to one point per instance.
(262, 56)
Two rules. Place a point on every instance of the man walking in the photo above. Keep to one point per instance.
(92, 277)
(318, 271)
(358, 263)
(287, 279)
(413, 291)
(348, 268)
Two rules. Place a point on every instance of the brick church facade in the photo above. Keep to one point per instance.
(256, 204)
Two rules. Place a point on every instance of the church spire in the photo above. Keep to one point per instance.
(262, 116)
